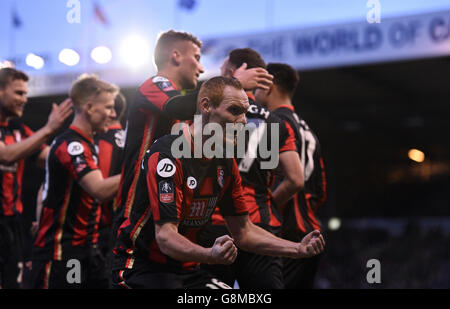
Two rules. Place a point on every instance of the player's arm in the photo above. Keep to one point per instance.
(293, 180)
(14, 152)
(40, 161)
(102, 189)
(182, 249)
(252, 238)
(249, 78)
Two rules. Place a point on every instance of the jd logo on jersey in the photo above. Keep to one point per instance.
(191, 183)
(166, 168)
(75, 149)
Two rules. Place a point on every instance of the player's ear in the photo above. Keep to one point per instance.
(230, 71)
(175, 57)
(87, 107)
(205, 105)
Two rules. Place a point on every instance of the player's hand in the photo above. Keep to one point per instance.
(224, 251)
(34, 228)
(311, 245)
(59, 114)
(253, 78)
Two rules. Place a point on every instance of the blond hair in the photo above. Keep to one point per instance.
(88, 87)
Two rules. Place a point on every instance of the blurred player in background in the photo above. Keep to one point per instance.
(254, 270)
(17, 142)
(300, 213)
(68, 227)
(110, 151)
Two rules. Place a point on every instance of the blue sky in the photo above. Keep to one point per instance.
(46, 31)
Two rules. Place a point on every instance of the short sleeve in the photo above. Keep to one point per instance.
(233, 202)
(287, 138)
(77, 158)
(27, 132)
(164, 183)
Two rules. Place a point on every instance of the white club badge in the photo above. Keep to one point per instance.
(119, 137)
(75, 148)
(166, 168)
(191, 183)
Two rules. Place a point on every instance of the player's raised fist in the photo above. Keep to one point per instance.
(311, 245)
(224, 251)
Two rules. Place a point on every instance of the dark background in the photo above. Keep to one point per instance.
(367, 117)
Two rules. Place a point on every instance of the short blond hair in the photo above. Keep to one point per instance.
(89, 86)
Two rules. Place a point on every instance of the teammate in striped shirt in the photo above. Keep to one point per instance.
(300, 213)
(109, 147)
(68, 228)
(254, 270)
(17, 142)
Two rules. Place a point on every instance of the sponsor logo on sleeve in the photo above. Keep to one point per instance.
(159, 79)
(191, 183)
(75, 148)
(166, 192)
(166, 168)
(120, 138)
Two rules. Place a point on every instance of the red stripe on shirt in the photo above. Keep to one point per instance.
(8, 184)
(324, 184)
(237, 190)
(289, 144)
(80, 225)
(19, 179)
(311, 216)
(7, 202)
(206, 187)
(152, 186)
(105, 151)
(252, 205)
(146, 140)
(154, 94)
(298, 216)
(44, 226)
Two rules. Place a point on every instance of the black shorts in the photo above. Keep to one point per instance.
(252, 271)
(90, 273)
(140, 279)
(300, 273)
(11, 252)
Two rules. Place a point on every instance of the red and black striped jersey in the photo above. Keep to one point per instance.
(109, 147)
(257, 179)
(145, 123)
(70, 217)
(300, 213)
(12, 132)
(184, 191)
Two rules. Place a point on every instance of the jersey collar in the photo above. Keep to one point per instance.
(286, 106)
(82, 133)
(115, 127)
